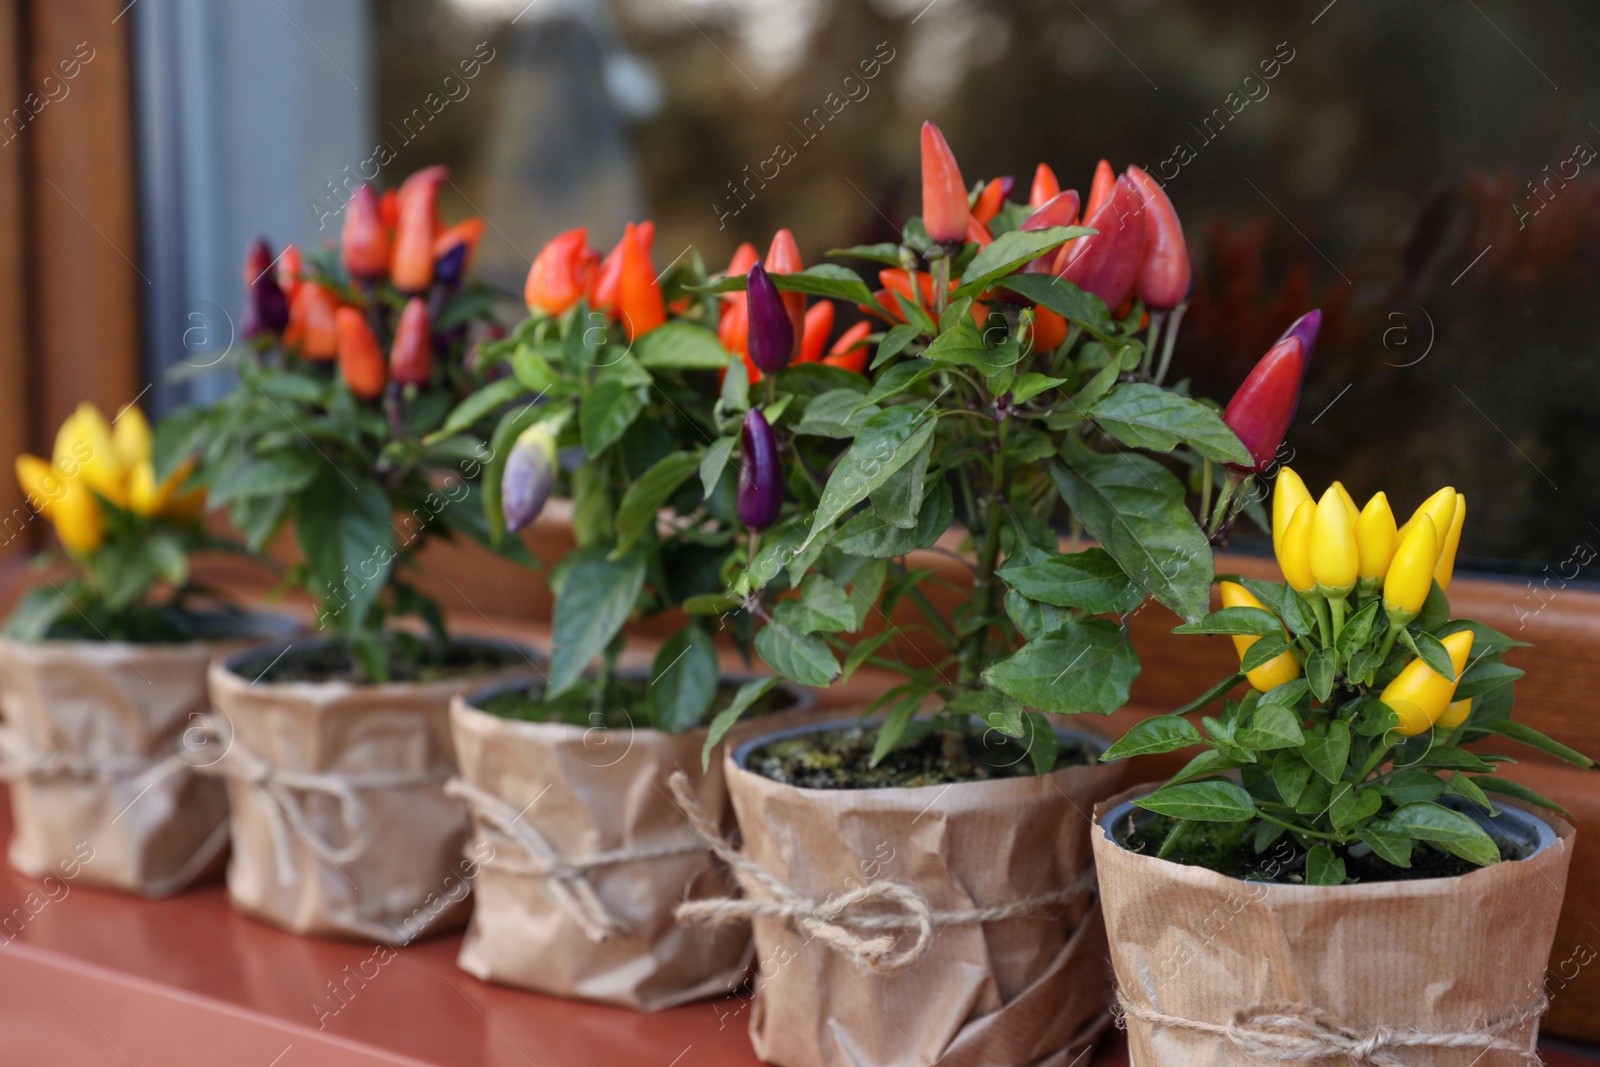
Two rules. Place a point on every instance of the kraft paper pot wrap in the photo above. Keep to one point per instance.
(584, 856)
(341, 825)
(1441, 972)
(101, 743)
(949, 925)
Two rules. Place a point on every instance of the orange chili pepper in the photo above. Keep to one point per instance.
(360, 359)
(1045, 186)
(818, 325)
(364, 241)
(1105, 179)
(411, 354)
(990, 200)
(639, 300)
(561, 273)
(849, 352)
(311, 327)
(783, 257)
(945, 210)
(412, 266)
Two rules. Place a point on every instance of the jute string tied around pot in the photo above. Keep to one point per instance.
(284, 787)
(1295, 1033)
(835, 921)
(20, 761)
(566, 876)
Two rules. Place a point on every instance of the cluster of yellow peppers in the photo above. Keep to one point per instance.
(1329, 549)
(93, 459)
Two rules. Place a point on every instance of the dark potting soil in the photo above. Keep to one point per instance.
(626, 704)
(1227, 849)
(427, 663)
(840, 759)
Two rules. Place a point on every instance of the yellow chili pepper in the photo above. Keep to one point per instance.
(1410, 576)
(1334, 558)
(1418, 695)
(1455, 714)
(1294, 549)
(1349, 501)
(84, 447)
(1288, 493)
(1445, 569)
(1376, 537)
(1440, 507)
(40, 482)
(78, 518)
(1284, 667)
(130, 436)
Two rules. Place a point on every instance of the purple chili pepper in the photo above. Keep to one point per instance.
(760, 477)
(448, 268)
(1305, 328)
(529, 474)
(771, 330)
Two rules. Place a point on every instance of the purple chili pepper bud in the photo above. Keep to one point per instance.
(529, 475)
(448, 268)
(1305, 328)
(771, 329)
(760, 477)
(270, 305)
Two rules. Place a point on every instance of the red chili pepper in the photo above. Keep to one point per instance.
(411, 269)
(744, 257)
(290, 271)
(1105, 179)
(978, 233)
(607, 279)
(639, 300)
(783, 257)
(1261, 411)
(561, 273)
(389, 209)
(734, 328)
(944, 195)
(1048, 331)
(1059, 210)
(1107, 263)
(990, 200)
(360, 358)
(428, 178)
(364, 241)
(849, 352)
(1164, 275)
(311, 327)
(1045, 186)
(411, 354)
(818, 325)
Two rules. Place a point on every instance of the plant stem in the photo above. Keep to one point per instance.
(1319, 604)
(941, 287)
(1171, 339)
(1150, 340)
(1336, 606)
(1206, 477)
(985, 585)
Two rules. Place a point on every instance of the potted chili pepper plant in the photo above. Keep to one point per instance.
(102, 671)
(338, 747)
(1336, 874)
(919, 885)
(567, 775)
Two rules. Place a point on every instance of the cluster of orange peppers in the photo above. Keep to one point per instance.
(397, 236)
(623, 286)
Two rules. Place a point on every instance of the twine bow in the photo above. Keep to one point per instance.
(284, 788)
(862, 924)
(1296, 1033)
(566, 877)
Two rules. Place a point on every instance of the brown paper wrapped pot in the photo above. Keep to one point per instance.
(341, 826)
(101, 742)
(1029, 989)
(1205, 962)
(549, 799)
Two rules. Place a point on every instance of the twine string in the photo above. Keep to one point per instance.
(862, 924)
(1297, 1033)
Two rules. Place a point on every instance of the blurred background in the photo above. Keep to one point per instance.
(1426, 173)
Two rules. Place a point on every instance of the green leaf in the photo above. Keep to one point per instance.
(1143, 415)
(1218, 800)
(886, 252)
(1518, 791)
(1390, 845)
(1263, 652)
(894, 342)
(868, 534)
(277, 474)
(533, 372)
(1208, 763)
(1355, 633)
(1290, 774)
(897, 379)
(683, 680)
(1328, 752)
(997, 710)
(894, 724)
(1090, 580)
(1136, 509)
(1320, 673)
(1210, 696)
(1448, 829)
(963, 345)
(1065, 299)
(735, 395)
(1412, 786)
(346, 534)
(837, 413)
(1043, 746)
(861, 650)
(597, 595)
(1349, 805)
(1251, 622)
(1434, 654)
(887, 441)
(899, 499)
(1031, 385)
(713, 461)
(1529, 736)
(823, 606)
(1086, 666)
(1463, 786)
(1010, 252)
(803, 657)
(477, 406)
(1485, 641)
(1323, 867)
(1161, 733)
(748, 694)
(647, 495)
(680, 345)
(1484, 674)
(1272, 726)
(605, 413)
